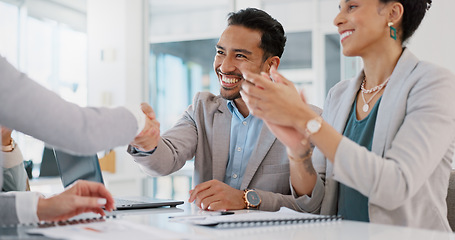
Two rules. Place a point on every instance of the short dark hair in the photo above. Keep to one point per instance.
(414, 11)
(273, 38)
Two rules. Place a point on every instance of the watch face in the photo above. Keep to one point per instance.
(313, 126)
(253, 198)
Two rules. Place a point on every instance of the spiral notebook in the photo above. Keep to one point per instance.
(261, 218)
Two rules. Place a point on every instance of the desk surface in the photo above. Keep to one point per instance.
(159, 219)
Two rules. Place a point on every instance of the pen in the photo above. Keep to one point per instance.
(227, 213)
(203, 216)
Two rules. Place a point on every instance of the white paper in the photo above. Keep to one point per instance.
(109, 230)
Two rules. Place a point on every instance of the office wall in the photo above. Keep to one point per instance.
(116, 69)
(434, 41)
(115, 52)
(68, 12)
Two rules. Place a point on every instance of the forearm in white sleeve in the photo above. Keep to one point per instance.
(27, 206)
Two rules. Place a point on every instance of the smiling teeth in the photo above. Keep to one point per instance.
(346, 34)
(230, 80)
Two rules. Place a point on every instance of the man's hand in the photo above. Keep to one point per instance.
(148, 138)
(215, 196)
(6, 136)
(82, 196)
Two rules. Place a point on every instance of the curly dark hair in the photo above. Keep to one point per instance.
(273, 37)
(414, 11)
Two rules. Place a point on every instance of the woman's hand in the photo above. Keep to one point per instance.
(82, 196)
(280, 105)
(290, 137)
(276, 102)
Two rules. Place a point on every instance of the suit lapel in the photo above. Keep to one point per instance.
(390, 99)
(220, 141)
(341, 116)
(264, 143)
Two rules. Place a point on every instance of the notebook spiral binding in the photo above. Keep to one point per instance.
(74, 221)
(45, 224)
(275, 222)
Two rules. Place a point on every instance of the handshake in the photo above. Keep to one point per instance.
(148, 138)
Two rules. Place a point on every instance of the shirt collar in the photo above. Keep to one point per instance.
(235, 111)
(231, 105)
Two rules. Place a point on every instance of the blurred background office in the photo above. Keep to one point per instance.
(123, 52)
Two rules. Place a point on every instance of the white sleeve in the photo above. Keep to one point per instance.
(27, 206)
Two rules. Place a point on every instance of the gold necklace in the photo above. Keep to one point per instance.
(376, 89)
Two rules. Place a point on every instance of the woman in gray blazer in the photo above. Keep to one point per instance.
(385, 142)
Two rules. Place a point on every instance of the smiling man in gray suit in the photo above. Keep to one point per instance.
(239, 163)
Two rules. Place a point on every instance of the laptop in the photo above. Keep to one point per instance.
(72, 168)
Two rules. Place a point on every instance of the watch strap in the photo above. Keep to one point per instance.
(10, 147)
(244, 198)
(248, 205)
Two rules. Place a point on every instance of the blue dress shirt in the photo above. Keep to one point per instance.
(244, 137)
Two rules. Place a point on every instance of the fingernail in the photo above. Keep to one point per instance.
(102, 201)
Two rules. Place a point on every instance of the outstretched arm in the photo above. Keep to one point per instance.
(34, 110)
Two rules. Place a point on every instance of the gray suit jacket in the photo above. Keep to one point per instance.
(203, 132)
(30, 108)
(405, 176)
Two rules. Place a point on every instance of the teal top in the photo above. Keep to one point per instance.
(352, 205)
